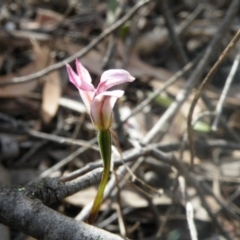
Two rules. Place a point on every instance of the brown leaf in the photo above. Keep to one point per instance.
(51, 94)
(48, 19)
(21, 89)
(93, 62)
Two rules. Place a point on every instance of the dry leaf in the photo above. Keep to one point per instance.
(93, 62)
(51, 95)
(48, 19)
(73, 105)
(83, 197)
(45, 19)
(21, 89)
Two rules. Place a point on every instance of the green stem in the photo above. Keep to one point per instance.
(104, 140)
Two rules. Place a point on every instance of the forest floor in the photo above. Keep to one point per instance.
(176, 171)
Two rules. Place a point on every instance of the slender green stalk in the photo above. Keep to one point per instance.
(104, 140)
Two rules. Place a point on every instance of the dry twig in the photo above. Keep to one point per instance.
(201, 89)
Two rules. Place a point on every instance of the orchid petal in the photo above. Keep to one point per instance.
(84, 76)
(114, 95)
(87, 97)
(73, 77)
(111, 78)
(101, 108)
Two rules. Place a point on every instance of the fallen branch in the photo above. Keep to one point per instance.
(32, 217)
(22, 208)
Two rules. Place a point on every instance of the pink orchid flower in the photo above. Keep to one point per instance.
(99, 101)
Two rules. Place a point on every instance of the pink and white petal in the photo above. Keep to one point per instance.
(84, 77)
(113, 77)
(101, 108)
(73, 77)
(87, 97)
(114, 95)
(101, 112)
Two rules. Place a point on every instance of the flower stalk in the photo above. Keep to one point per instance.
(104, 140)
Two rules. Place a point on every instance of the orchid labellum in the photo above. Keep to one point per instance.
(100, 103)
